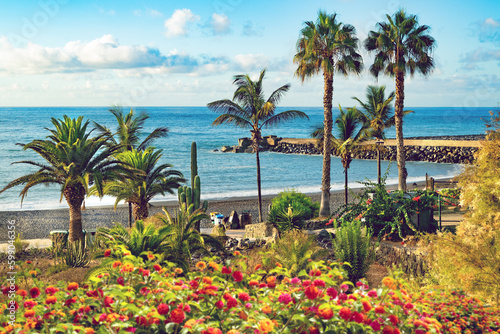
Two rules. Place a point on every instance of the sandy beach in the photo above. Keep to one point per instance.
(37, 224)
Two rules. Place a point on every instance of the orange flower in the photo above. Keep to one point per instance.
(213, 265)
(117, 264)
(177, 316)
(389, 282)
(257, 267)
(207, 280)
(178, 271)
(32, 272)
(29, 313)
(50, 300)
(151, 256)
(279, 265)
(271, 280)
(89, 330)
(73, 286)
(379, 309)
(266, 325)
(128, 267)
(201, 265)
(326, 313)
(190, 323)
(236, 253)
(233, 331)
(266, 309)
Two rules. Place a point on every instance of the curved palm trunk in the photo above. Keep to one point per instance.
(74, 197)
(140, 210)
(255, 145)
(324, 210)
(398, 116)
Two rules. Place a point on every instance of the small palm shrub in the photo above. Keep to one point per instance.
(352, 245)
(295, 249)
(290, 209)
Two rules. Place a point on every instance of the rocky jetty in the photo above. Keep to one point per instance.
(441, 154)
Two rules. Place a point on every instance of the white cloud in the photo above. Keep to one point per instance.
(220, 24)
(251, 62)
(491, 22)
(103, 52)
(177, 24)
(155, 13)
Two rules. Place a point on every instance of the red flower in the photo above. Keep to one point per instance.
(358, 317)
(375, 325)
(107, 252)
(366, 305)
(416, 199)
(332, 292)
(226, 270)
(34, 292)
(108, 301)
(72, 286)
(232, 303)
(393, 319)
(311, 292)
(388, 330)
(326, 313)
(379, 309)
(157, 267)
(219, 304)
(162, 309)
(30, 303)
(285, 298)
(319, 282)
(244, 296)
(315, 272)
(51, 290)
(314, 330)
(238, 276)
(120, 280)
(345, 313)
(177, 316)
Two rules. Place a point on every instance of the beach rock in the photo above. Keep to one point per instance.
(244, 142)
(234, 221)
(226, 149)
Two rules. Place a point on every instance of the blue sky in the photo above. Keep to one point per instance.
(173, 53)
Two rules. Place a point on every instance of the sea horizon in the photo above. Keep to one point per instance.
(225, 175)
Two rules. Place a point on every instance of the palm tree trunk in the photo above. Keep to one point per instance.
(346, 194)
(398, 116)
(255, 146)
(74, 197)
(140, 210)
(324, 210)
(259, 195)
(379, 178)
(129, 214)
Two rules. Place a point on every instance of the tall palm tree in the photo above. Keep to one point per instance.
(140, 189)
(74, 161)
(402, 46)
(128, 132)
(378, 115)
(350, 133)
(249, 109)
(331, 47)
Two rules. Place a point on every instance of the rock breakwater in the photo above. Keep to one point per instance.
(441, 154)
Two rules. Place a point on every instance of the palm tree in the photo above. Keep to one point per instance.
(140, 189)
(350, 134)
(249, 109)
(129, 129)
(74, 161)
(328, 46)
(401, 46)
(128, 134)
(378, 116)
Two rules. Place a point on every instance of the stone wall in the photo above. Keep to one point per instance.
(258, 231)
(408, 259)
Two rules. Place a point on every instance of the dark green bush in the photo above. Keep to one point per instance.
(290, 209)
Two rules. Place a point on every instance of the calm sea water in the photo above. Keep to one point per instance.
(222, 175)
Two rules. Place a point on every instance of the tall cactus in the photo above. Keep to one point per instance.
(192, 195)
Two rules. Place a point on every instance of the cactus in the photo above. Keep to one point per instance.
(192, 195)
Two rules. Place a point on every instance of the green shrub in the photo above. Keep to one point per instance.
(295, 249)
(290, 209)
(352, 245)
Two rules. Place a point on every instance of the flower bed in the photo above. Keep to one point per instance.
(138, 297)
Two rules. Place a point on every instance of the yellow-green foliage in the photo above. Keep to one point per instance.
(471, 258)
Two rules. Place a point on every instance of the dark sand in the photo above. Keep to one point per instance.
(36, 224)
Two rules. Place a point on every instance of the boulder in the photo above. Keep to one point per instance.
(249, 150)
(234, 221)
(238, 149)
(226, 149)
(244, 142)
(272, 140)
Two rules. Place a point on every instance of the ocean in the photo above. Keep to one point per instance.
(223, 175)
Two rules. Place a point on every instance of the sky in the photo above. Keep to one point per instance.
(185, 53)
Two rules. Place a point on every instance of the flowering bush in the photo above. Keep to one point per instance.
(138, 297)
(450, 197)
(388, 212)
(459, 313)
